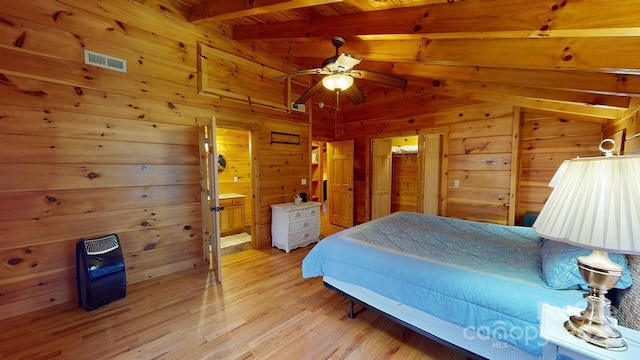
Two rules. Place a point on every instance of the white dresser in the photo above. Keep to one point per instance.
(294, 226)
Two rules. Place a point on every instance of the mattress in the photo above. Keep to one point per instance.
(483, 277)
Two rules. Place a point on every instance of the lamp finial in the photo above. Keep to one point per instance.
(607, 151)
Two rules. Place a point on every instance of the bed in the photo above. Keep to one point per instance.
(476, 287)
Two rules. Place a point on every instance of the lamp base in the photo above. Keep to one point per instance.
(593, 326)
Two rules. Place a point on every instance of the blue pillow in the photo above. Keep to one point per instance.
(560, 266)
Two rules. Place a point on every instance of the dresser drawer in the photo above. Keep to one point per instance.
(231, 202)
(297, 214)
(312, 211)
(303, 224)
(310, 234)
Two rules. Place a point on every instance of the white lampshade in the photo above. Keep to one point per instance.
(595, 204)
(559, 174)
(337, 82)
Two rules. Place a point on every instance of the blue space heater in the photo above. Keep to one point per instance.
(100, 271)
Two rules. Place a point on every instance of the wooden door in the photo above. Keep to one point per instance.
(381, 178)
(209, 200)
(429, 173)
(340, 182)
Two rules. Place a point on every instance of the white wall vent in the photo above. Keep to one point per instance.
(105, 61)
(298, 107)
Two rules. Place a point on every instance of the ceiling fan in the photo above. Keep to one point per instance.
(340, 74)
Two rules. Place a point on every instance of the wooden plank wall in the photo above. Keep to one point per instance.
(479, 150)
(546, 142)
(86, 151)
(323, 119)
(404, 182)
(404, 176)
(628, 124)
(480, 157)
(235, 147)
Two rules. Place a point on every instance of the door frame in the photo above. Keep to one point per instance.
(444, 167)
(209, 200)
(254, 183)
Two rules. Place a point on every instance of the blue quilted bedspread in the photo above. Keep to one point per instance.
(484, 277)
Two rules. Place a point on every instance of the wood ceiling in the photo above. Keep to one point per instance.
(579, 58)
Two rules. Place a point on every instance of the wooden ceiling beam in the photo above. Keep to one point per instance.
(424, 97)
(589, 87)
(577, 87)
(556, 101)
(614, 103)
(563, 115)
(224, 9)
(467, 19)
(582, 54)
(590, 82)
(595, 107)
(416, 84)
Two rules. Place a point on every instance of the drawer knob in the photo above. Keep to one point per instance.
(305, 224)
(306, 235)
(297, 214)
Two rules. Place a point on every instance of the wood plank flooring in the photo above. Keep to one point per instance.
(326, 227)
(263, 309)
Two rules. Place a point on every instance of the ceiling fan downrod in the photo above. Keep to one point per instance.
(338, 42)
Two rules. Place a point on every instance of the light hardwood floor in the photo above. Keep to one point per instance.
(326, 227)
(263, 309)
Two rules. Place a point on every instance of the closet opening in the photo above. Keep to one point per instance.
(406, 174)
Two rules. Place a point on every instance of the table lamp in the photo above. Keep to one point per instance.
(595, 204)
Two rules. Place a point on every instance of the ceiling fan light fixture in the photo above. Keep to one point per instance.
(337, 82)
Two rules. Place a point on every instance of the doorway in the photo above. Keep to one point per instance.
(235, 189)
(394, 181)
(406, 174)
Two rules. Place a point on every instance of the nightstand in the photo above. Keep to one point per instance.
(560, 342)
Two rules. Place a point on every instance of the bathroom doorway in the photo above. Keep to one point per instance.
(235, 189)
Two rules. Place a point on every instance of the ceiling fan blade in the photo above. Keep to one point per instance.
(309, 93)
(355, 94)
(382, 78)
(314, 71)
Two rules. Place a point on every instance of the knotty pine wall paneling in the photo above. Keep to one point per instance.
(479, 152)
(323, 120)
(404, 182)
(546, 142)
(480, 158)
(627, 123)
(86, 151)
(404, 176)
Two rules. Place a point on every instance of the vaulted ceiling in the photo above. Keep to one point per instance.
(576, 57)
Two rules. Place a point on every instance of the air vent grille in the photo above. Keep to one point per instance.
(298, 107)
(101, 246)
(105, 61)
